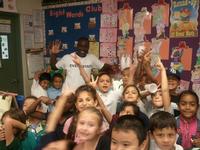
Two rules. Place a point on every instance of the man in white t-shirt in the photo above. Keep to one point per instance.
(73, 78)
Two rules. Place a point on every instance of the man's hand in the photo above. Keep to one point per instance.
(55, 46)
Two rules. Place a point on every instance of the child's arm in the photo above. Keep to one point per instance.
(9, 125)
(83, 73)
(104, 109)
(57, 112)
(147, 67)
(54, 47)
(164, 86)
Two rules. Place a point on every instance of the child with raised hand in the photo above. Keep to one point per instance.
(187, 123)
(52, 140)
(40, 85)
(163, 132)
(103, 84)
(160, 99)
(128, 133)
(88, 128)
(15, 130)
(35, 123)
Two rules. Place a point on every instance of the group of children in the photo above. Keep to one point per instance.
(101, 116)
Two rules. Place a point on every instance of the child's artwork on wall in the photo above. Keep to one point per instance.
(160, 12)
(125, 19)
(142, 24)
(196, 73)
(109, 61)
(164, 49)
(184, 15)
(108, 50)
(108, 35)
(109, 20)
(184, 85)
(125, 46)
(181, 57)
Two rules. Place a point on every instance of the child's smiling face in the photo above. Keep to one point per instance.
(188, 106)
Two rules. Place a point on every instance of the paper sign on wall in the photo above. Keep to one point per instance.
(108, 50)
(94, 48)
(109, 20)
(108, 34)
(109, 6)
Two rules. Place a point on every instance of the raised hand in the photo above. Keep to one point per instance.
(55, 46)
(93, 82)
(2, 133)
(76, 59)
(159, 64)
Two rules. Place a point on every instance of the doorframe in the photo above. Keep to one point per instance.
(17, 35)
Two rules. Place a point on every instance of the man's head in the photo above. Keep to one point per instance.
(82, 47)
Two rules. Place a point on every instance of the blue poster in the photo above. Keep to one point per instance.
(67, 24)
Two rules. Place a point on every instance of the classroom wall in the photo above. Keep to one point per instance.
(26, 7)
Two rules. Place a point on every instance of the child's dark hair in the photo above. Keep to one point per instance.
(57, 75)
(31, 97)
(162, 120)
(104, 73)
(189, 92)
(133, 123)
(83, 39)
(86, 88)
(18, 115)
(131, 85)
(44, 76)
(135, 108)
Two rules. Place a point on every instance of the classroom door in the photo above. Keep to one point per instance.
(10, 54)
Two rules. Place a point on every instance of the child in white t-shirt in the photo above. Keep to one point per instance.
(40, 85)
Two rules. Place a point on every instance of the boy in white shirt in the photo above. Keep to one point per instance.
(39, 87)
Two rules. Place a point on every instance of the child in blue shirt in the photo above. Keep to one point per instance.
(54, 91)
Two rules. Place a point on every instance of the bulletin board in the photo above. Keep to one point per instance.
(156, 21)
(69, 23)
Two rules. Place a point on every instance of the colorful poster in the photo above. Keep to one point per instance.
(108, 35)
(181, 57)
(184, 15)
(109, 20)
(108, 50)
